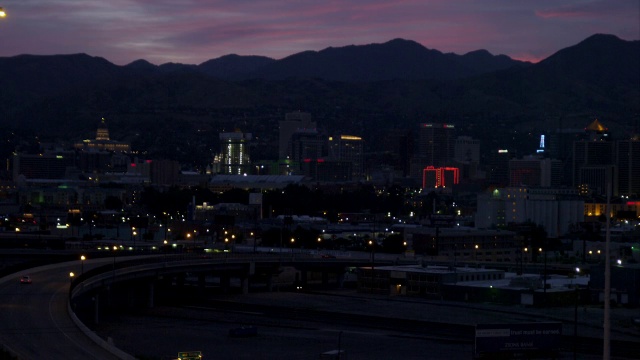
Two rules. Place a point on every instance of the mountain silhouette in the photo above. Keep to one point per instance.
(357, 89)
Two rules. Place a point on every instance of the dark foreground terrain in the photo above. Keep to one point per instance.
(304, 326)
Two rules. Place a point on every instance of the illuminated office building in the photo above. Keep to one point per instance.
(436, 144)
(348, 148)
(41, 166)
(595, 152)
(234, 153)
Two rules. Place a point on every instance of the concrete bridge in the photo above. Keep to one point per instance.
(100, 286)
(130, 283)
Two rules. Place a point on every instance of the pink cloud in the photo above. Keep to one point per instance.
(197, 30)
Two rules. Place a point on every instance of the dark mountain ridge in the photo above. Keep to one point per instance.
(360, 89)
(396, 59)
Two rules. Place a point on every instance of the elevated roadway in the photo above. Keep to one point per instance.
(37, 320)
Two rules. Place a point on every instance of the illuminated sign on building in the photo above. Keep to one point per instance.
(350, 137)
(440, 177)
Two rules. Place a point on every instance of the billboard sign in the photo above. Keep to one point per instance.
(520, 337)
(190, 355)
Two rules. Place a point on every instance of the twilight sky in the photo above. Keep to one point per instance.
(194, 31)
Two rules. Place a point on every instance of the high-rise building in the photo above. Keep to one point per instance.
(307, 145)
(560, 146)
(467, 156)
(41, 166)
(234, 153)
(348, 148)
(535, 171)
(628, 163)
(467, 149)
(436, 144)
(595, 150)
(498, 167)
(594, 179)
(295, 121)
(307, 149)
(398, 146)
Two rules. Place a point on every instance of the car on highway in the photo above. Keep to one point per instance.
(26, 279)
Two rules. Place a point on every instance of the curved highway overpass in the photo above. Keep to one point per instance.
(37, 320)
(34, 319)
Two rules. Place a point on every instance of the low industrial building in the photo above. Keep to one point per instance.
(470, 284)
(625, 283)
(465, 244)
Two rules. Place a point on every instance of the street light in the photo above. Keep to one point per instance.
(114, 260)
(82, 259)
(373, 262)
(576, 299)
(71, 275)
(373, 253)
(544, 298)
(2, 13)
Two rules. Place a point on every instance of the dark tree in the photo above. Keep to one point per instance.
(113, 203)
(394, 244)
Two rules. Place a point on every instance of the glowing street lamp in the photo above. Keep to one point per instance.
(2, 13)
(82, 259)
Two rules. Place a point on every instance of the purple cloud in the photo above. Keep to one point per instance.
(193, 31)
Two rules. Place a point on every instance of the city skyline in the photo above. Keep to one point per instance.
(191, 33)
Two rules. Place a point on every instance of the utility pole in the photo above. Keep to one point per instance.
(606, 353)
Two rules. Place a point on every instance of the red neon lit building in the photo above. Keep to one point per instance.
(440, 177)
